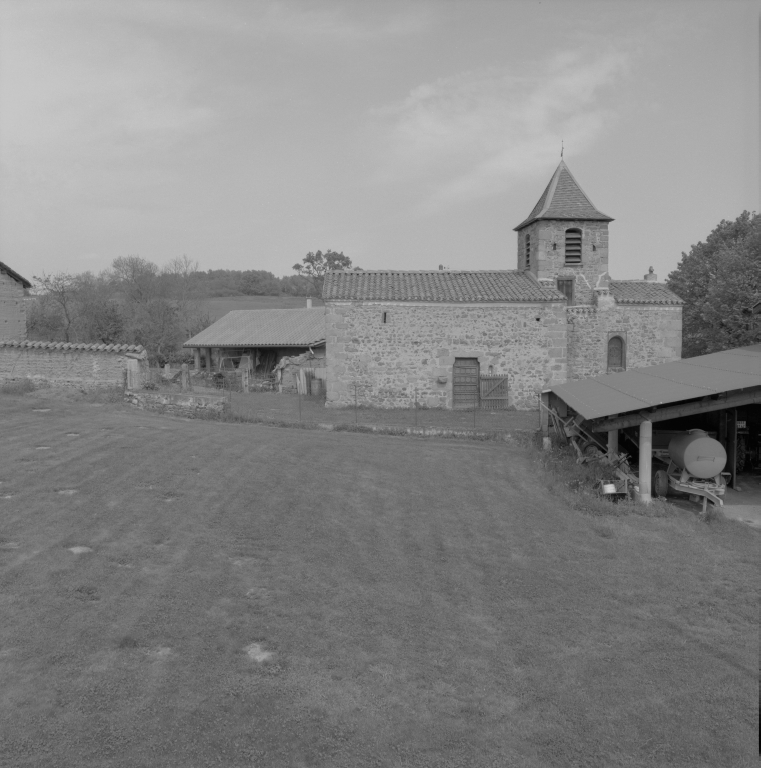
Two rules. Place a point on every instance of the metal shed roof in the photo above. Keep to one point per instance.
(264, 328)
(696, 377)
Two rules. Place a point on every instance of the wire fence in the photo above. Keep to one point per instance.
(303, 400)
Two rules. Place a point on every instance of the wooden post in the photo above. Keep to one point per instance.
(185, 377)
(207, 358)
(612, 443)
(544, 420)
(245, 380)
(197, 358)
(645, 461)
(732, 446)
(167, 370)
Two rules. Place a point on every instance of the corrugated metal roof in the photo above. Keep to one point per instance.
(673, 382)
(642, 292)
(440, 285)
(564, 199)
(264, 328)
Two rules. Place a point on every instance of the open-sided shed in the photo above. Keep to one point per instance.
(720, 382)
(264, 335)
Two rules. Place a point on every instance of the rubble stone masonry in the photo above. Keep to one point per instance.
(652, 335)
(52, 365)
(12, 309)
(547, 246)
(415, 349)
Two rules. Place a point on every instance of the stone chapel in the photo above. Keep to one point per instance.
(433, 337)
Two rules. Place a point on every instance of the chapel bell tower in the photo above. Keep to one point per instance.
(564, 241)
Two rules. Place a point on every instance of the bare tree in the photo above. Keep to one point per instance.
(59, 302)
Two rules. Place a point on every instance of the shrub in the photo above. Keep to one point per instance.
(17, 387)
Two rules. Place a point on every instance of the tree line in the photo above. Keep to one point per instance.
(138, 302)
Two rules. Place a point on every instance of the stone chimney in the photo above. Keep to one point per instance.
(651, 277)
(309, 303)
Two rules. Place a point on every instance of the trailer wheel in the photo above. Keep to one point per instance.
(661, 483)
(591, 450)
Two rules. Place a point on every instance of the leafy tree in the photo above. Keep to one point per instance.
(101, 317)
(720, 281)
(315, 266)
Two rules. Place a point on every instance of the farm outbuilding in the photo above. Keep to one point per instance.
(259, 339)
(719, 393)
(13, 288)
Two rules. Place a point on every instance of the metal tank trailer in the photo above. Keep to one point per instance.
(695, 466)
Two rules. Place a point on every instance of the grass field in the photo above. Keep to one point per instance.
(221, 305)
(181, 593)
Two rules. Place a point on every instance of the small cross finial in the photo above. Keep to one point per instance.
(561, 149)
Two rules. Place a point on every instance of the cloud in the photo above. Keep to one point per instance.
(478, 133)
(86, 115)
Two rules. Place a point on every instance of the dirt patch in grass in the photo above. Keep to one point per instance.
(256, 652)
(427, 603)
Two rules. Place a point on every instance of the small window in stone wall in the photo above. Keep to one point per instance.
(573, 246)
(566, 287)
(616, 354)
(527, 253)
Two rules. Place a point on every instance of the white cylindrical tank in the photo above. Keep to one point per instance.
(700, 455)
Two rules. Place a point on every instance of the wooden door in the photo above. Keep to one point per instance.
(465, 380)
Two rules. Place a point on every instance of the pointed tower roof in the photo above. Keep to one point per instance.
(564, 199)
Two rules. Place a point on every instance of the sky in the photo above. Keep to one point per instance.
(406, 135)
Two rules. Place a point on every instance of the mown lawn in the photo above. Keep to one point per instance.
(256, 596)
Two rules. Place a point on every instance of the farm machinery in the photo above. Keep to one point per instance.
(695, 463)
(692, 462)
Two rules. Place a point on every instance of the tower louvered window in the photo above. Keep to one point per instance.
(573, 246)
(527, 255)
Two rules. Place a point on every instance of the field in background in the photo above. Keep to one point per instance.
(221, 305)
(183, 593)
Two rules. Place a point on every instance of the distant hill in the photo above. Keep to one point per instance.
(220, 305)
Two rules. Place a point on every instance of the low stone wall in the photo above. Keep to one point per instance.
(58, 364)
(187, 404)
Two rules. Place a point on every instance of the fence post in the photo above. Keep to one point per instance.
(185, 379)
(355, 403)
(475, 404)
(299, 391)
(415, 406)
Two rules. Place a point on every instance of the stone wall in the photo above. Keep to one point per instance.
(417, 347)
(185, 404)
(549, 264)
(12, 309)
(67, 365)
(652, 335)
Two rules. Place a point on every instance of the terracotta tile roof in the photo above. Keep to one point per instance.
(642, 292)
(66, 346)
(15, 275)
(564, 199)
(264, 328)
(441, 285)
